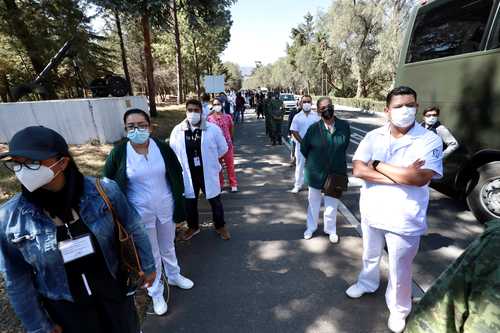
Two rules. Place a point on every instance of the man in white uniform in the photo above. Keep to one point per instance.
(397, 162)
(300, 124)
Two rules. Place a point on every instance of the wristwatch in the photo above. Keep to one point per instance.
(374, 164)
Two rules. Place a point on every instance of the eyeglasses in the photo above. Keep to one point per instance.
(141, 126)
(16, 166)
(193, 109)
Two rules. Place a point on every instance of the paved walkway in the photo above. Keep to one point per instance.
(267, 278)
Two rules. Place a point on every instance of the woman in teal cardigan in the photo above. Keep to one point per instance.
(148, 172)
(324, 147)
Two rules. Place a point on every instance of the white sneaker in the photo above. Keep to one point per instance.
(234, 189)
(355, 291)
(295, 190)
(396, 324)
(334, 238)
(159, 305)
(308, 234)
(181, 282)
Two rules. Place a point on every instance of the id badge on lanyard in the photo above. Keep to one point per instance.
(197, 161)
(75, 248)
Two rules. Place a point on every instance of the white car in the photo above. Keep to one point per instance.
(289, 102)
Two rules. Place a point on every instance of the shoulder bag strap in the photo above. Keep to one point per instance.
(122, 233)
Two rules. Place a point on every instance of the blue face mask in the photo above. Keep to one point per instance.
(138, 136)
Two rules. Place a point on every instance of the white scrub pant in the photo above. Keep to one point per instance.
(162, 239)
(300, 162)
(330, 215)
(401, 250)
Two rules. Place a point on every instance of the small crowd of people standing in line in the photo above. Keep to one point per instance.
(58, 247)
(59, 250)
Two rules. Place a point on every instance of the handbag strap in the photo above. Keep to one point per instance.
(122, 233)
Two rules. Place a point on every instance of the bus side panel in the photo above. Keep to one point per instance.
(467, 90)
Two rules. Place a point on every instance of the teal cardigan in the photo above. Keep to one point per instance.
(319, 156)
(116, 168)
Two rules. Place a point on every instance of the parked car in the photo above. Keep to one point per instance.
(289, 102)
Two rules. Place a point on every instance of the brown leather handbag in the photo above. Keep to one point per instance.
(130, 264)
(335, 184)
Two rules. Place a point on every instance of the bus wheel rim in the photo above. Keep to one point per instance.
(490, 196)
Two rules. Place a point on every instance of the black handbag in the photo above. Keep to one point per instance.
(130, 264)
(335, 184)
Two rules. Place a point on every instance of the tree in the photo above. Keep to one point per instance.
(233, 75)
(351, 50)
(123, 50)
(357, 26)
(151, 12)
(200, 16)
(38, 29)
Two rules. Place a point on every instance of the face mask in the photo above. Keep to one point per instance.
(194, 118)
(327, 114)
(306, 107)
(138, 136)
(430, 120)
(403, 117)
(217, 108)
(34, 179)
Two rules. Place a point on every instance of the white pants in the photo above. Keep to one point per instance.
(300, 161)
(330, 215)
(162, 239)
(401, 250)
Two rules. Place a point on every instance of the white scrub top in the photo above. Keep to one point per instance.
(148, 190)
(301, 122)
(397, 208)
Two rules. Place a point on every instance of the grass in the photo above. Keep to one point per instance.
(90, 159)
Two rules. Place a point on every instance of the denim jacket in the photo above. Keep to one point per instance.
(31, 262)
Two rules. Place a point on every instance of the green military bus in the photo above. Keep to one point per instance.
(451, 57)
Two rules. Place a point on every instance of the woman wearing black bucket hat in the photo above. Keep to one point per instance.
(58, 247)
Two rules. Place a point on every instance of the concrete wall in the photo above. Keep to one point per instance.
(77, 120)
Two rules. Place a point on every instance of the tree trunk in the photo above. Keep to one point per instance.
(178, 55)
(149, 63)
(21, 32)
(4, 83)
(196, 69)
(123, 51)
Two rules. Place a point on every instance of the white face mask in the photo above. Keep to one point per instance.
(403, 117)
(217, 108)
(194, 118)
(306, 107)
(430, 120)
(34, 179)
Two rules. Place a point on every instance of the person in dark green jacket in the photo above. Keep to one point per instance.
(275, 115)
(149, 173)
(324, 147)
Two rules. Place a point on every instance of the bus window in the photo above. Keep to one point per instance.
(494, 42)
(454, 28)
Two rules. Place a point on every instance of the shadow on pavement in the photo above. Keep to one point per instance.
(267, 278)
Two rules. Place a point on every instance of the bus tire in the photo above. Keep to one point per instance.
(484, 199)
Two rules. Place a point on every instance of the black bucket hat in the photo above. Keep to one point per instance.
(37, 143)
